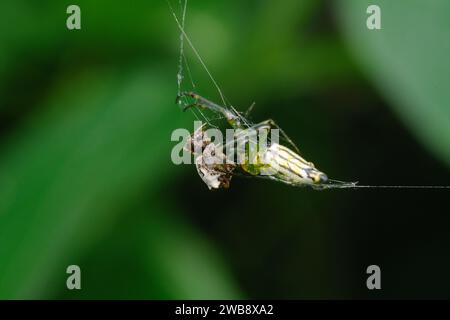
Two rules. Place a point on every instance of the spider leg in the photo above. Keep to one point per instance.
(270, 123)
(200, 102)
(249, 110)
(192, 105)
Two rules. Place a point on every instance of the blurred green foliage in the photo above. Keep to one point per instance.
(408, 62)
(95, 142)
(86, 118)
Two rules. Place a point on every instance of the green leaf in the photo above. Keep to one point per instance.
(97, 146)
(407, 61)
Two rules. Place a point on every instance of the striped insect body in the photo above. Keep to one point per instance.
(276, 162)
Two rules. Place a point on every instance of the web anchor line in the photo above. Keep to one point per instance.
(336, 184)
(399, 187)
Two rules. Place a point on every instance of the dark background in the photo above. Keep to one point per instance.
(86, 176)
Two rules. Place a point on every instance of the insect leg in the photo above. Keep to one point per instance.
(249, 110)
(200, 102)
(269, 123)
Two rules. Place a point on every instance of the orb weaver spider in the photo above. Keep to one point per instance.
(287, 165)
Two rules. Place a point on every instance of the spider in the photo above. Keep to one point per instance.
(283, 164)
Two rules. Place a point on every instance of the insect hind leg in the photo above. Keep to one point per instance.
(270, 123)
(200, 102)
